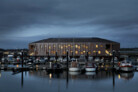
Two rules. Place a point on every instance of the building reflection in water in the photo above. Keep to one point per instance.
(73, 75)
(101, 75)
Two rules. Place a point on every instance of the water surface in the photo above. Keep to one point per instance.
(41, 81)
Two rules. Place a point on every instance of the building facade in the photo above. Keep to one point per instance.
(74, 47)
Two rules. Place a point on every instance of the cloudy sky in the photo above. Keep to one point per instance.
(24, 21)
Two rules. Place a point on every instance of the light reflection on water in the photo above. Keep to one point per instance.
(41, 81)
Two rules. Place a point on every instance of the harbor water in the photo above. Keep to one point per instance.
(41, 81)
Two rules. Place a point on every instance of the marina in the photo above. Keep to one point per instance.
(68, 46)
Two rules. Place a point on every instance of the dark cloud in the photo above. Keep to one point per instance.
(21, 20)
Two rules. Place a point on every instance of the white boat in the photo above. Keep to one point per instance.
(97, 59)
(90, 67)
(60, 59)
(126, 66)
(64, 60)
(3, 60)
(52, 59)
(74, 67)
(90, 58)
(73, 59)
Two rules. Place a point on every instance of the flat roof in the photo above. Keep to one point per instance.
(55, 40)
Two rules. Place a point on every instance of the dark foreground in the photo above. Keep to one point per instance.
(41, 81)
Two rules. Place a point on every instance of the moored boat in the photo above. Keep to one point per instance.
(90, 67)
(126, 66)
(97, 59)
(74, 67)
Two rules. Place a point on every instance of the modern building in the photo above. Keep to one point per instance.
(74, 47)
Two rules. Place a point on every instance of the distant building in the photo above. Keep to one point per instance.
(15, 52)
(74, 46)
(129, 51)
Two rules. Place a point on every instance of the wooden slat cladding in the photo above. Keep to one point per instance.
(74, 48)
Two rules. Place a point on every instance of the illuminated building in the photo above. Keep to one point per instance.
(74, 46)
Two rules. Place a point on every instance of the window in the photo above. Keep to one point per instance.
(76, 46)
(76, 52)
(49, 47)
(94, 51)
(32, 46)
(61, 47)
(101, 46)
(96, 46)
(54, 45)
(99, 52)
(86, 47)
(106, 51)
(107, 46)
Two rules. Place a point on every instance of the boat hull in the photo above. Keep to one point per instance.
(90, 69)
(126, 69)
(73, 69)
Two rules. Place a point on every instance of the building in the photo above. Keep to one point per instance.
(74, 47)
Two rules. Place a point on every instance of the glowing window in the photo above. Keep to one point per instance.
(96, 46)
(107, 52)
(94, 51)
(76, 52)
(49, 47)
(64, 52)
(54, 52)
(99, 52)
(76, 46)
(61, 47)
(54, 46)
(31, 54)
(86, 47)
